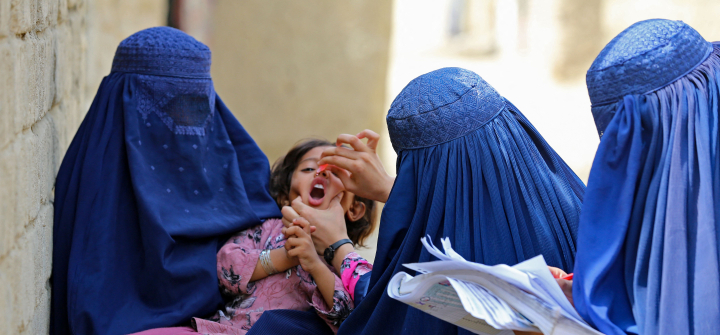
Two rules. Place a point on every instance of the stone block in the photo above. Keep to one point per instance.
(62, 11)
(41, 240)
(24, 274)
(28, 189)
(9, 198)
(20, 269)
(64, 71)
(73, 61)
(5, 300)
(5, 18)
(32, 15)
(62, 133)
(10, 124)
(34, 73)
(76, 4)
(22, 19)
(36, 168)
(47, 14)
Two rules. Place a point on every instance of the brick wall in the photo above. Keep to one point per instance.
(53, 55)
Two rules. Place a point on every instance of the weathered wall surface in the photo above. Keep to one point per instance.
(295, 69)
(53, 55)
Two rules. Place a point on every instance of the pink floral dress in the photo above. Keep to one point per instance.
(292, 289)
(353, 270)
(246, 301)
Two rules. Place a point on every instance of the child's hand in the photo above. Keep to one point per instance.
(328, 226)
(300, 222)
(299, 244)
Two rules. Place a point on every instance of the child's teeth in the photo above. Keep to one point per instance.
(320, 186)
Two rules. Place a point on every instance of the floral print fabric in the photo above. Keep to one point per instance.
(352, 269)
(246, 301)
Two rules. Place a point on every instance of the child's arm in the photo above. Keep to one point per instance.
(300, 245)
(330, 290)
(325, 281)
(238, 260)
(350, 267)
(280, 261)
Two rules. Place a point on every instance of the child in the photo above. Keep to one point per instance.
(256, 273)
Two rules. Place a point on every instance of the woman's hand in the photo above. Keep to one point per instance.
(557, 273)
(360, 169)
(566, 287)
(327, 226)
(300, 245)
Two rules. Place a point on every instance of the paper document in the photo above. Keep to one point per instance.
(488, 299)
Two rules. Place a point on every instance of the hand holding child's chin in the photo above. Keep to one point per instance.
(329, 224)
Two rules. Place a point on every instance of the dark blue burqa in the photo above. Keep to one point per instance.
(647, 258)
(472, 168)
(157, 176)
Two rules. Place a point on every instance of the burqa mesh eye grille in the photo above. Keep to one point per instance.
(185, 105)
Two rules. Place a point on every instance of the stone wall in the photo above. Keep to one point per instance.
(53, 55)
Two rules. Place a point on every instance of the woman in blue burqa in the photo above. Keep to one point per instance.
(472, 168)
(157, 176)
(647, 259)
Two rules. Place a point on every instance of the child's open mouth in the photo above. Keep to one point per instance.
(317, 193)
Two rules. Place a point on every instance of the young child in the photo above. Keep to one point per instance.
(256, 273)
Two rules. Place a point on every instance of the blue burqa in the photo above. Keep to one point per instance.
(157, 176)
(472, 168)
(647, 256)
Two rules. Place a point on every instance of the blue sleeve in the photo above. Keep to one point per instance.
(361, 287)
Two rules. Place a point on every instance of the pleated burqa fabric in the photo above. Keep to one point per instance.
(157, 176)
(647, 255)
(472, 168)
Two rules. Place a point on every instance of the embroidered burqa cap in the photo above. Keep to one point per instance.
(647, 255)
(157, 176)
(472, 168)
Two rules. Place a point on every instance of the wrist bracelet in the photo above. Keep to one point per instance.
(266, 263)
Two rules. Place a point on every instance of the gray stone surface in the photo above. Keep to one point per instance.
(53, 55)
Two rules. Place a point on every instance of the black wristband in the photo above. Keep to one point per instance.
(329, 253)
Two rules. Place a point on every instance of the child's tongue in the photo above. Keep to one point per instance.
(316, 196)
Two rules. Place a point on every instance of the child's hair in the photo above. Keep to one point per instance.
(281, 179)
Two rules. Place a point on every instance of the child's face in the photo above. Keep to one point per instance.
(317, 191)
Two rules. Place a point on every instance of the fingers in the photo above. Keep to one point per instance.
(293, 252)
(354, 142)
(343, 174)
(372, 137)
(556, 272)
(339, 163)
(303, 224)
(294, 231)
(289, 214)
(300, 208)
(311, 229)
(296, 245)
(340, 151)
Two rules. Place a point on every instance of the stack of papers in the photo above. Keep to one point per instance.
(488, 299)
